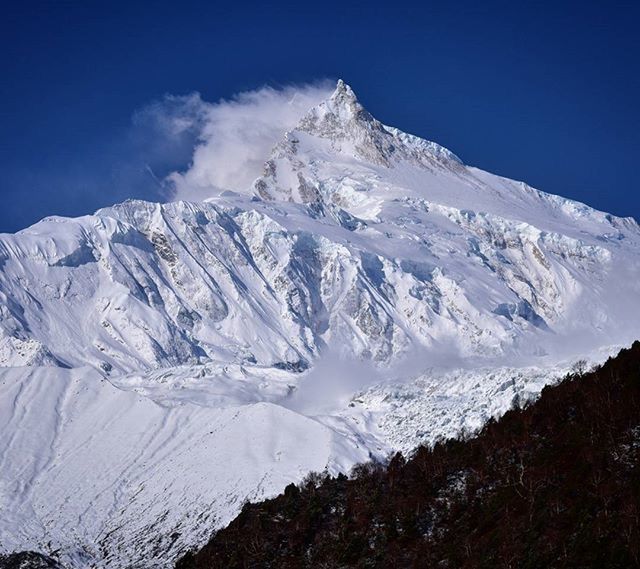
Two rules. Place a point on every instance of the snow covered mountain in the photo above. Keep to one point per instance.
(357, 234)
(152, 350)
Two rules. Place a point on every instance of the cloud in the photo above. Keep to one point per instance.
(337, 376)
(331, 382)
(178, 147)
(232, 138)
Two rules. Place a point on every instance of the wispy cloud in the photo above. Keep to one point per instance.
(233, 137)
(178, 147)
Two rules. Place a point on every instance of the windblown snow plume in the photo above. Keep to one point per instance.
(234, 135)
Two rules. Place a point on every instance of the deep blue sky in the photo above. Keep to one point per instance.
(543, 92)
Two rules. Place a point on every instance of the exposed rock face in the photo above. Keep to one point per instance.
(28, 560)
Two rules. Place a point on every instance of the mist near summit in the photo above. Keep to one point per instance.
(231, 137)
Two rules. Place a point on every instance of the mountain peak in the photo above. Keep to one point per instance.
(339, 113)
(345, 128)
(343, 120)
(354, 131)
(343, 93)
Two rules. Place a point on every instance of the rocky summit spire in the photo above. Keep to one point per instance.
(341, 127)
(344, 93)
(344, 103)
(341, 118)
(342, 87)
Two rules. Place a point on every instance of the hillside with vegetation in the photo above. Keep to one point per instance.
(553, 484)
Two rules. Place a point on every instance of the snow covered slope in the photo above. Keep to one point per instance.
(152, 350)
(361, 236)
(103, 475)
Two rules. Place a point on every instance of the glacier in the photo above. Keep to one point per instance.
(152, 354)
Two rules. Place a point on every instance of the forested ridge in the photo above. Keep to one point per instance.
(553, 484)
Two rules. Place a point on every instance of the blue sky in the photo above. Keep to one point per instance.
(543, 92)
